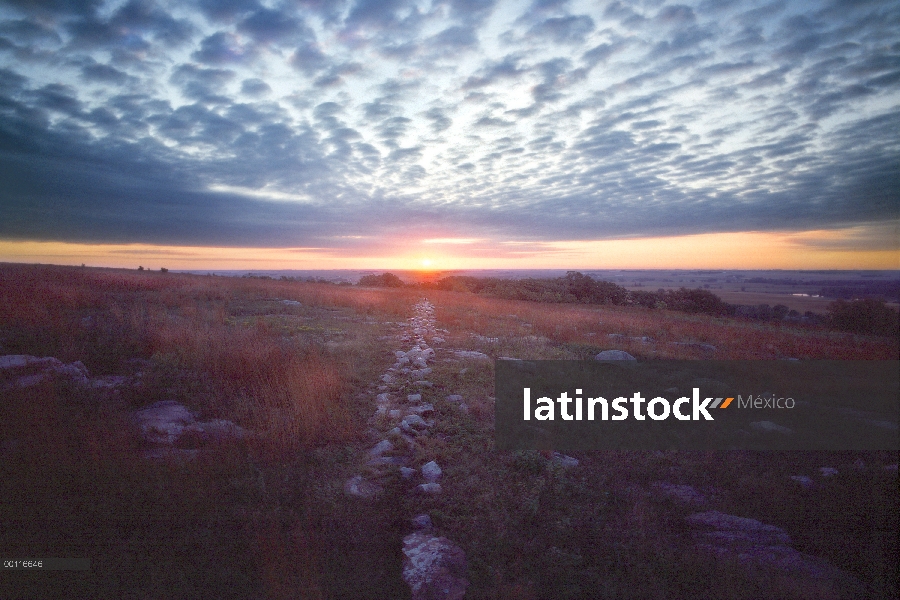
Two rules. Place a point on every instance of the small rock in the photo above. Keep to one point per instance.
(437, 340)
(395, 413)
(290, 302)
(359, 487)
(614, 355)
(429, 488)
(455, 398)
(414, 398)
(407, 472)
(380, 448)
(567, 462)
(463, 408)
(422, 522)
(804, 481)
(431, 472)
(828, 471)
(414, 421)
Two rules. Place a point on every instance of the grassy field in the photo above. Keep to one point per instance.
(267, 517)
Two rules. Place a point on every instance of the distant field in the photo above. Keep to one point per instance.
(798, 303)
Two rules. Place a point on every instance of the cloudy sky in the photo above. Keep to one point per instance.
(467, 133)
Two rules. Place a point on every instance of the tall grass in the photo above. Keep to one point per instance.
(591, 326)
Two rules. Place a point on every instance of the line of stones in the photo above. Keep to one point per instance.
(433, 566)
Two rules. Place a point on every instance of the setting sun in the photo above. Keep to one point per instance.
(426, 262)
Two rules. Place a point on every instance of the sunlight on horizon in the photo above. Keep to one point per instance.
(744, 250)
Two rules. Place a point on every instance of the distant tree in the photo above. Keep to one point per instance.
(383, 280)
(779, 312)
(863, 316)
(163, 270)
(140, 268)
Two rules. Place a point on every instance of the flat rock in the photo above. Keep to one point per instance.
(454, 398)
(732, 531)
(682, 493)
(471, 354)
(163, 422)
(434, 567)
(429, 488)
(614, 355)
(567, 462)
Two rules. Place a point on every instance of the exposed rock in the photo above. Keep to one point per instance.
(359, 487)
(220, 429)
(567, 462)
(407, 472)
(431, 472)
(163, 422)
(434, 567)
(423, 409)
(682, 493)
(828, 471)
(422, 522)
(471, 354)
(413, 421)
(290, 302)
(737, 532)
(414, 398)
(455, 398)
(764, 550)
(614, 355)
(380, 448)
(803, 480)
(769, 427)
(437, 340)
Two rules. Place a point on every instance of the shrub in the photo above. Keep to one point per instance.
(383, 280)
(863, 316)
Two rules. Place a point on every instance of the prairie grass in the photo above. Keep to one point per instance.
(267, 518)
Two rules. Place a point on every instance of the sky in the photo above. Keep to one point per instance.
(449, 134)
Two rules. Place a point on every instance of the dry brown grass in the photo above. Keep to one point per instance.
(591, 326)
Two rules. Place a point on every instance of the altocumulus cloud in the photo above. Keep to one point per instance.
(305, 124)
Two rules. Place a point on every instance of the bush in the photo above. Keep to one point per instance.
(863, 316)
(383, 280)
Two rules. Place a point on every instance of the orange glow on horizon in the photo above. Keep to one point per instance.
(831, 249)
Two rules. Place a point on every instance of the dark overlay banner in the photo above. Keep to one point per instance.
(697, 405)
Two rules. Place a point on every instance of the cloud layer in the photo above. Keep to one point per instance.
(361, 125)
